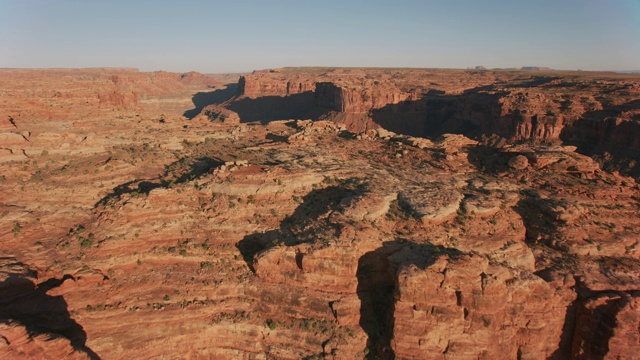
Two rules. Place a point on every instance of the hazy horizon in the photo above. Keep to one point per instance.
(241, 36)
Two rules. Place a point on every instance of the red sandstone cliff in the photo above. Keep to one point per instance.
(359, 99)
(600, 113)
(58, 93)
(300, 239)
(261, 84)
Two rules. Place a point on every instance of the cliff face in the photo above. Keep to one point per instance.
(549, 114)
(357, 100)
(56, 94)
(516, 114)
(352, 95)
(600, 113)
(255, 85)
(468, 300)
(545, 109)
(167, 237)
(607, 326)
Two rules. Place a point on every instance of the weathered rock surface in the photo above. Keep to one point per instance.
(607, 327)
(599, 112)
(130, 231)
(274, 83)
(358, 99)
(519, 162)
(431, 204)
(33, 324)
(219, 113)
(460, 306)
(17, 343)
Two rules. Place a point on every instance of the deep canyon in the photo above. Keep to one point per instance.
(319, 213)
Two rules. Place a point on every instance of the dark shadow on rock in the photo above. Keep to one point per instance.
(276, 138)
(269, 108)
(321, 201)
(377, 276)
(596, 326)
(302, 226)
(41, 313)
(604, 128)
(471, 113)
(130, 187)
(202, 99)
(477, 112)
(376, 284)
(566, 337)
(377, 270)
(252, 244)
(194, 169)
(488, 160)
(537, 81)
(613, 142)
(346, 134)
(538, 223)
(623, 161)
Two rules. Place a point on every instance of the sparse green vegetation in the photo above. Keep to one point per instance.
(380, 213)
(86, 242)
(16, 229)
(206, 265)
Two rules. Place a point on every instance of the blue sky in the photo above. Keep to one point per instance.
(234, 36)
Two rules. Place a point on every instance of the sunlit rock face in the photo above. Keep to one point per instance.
(318, 213)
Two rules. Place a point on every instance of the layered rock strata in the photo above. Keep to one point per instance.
(161, 236)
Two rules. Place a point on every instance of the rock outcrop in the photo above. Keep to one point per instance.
(17, 343)
(450, 305)
(269, 83)
(34, 325)
(607, 327)
(598, 112)
(358, 99)
(259, 230)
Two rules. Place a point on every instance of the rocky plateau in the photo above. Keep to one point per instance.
(319, 213)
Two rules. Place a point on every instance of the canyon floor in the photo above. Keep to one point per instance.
(316, 213)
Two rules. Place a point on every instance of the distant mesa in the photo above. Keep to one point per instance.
(535, 68)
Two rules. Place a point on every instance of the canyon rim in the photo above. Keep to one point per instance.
(319, 213)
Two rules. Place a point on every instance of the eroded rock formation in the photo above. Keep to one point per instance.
(130, 231)
(600, 113)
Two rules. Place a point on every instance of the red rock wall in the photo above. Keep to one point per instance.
(357, 100)
(58, 93)
(257, 86)
(600, 113)
(608, 327)
(466, 307)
